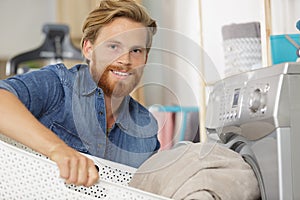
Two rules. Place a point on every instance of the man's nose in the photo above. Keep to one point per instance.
(124, 59)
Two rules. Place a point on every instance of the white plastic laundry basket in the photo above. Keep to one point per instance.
(26, 174)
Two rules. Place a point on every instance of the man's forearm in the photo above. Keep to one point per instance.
(19, 124)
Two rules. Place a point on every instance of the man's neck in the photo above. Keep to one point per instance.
(112, 105)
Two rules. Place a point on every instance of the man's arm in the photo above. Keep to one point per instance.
(19, 124)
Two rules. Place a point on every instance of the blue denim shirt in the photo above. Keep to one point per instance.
(70, 104)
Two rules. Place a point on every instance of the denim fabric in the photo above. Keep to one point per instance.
(70, 104)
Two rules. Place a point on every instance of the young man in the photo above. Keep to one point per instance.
(61, 112)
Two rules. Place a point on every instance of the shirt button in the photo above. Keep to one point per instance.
(100, 113)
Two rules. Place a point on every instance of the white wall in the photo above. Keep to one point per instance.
(218, 13)
(21, 24)
(172, 76)
(285, 15)
(183, 17)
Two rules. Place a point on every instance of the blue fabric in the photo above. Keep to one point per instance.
(70, 104)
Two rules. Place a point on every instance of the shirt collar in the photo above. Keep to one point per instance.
(86, 83)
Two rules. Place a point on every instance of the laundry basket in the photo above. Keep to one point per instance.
(26, 174)
(242, 47)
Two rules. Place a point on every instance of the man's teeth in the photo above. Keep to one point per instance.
(120, 73)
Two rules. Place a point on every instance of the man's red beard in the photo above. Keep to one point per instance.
(119, 88)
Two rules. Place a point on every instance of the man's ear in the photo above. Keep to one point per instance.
(87, 49)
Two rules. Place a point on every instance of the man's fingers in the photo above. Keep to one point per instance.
(75, 168)
(64, 168)
(79, 171)
(93, 174)
(73, 171)
(82, 171)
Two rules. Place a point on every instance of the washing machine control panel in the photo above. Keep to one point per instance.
(248, 103)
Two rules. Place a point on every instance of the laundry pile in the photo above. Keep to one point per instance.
(206, 171)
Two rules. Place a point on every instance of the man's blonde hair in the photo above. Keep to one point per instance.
(108, 10)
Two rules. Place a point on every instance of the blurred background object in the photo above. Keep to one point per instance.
(56, 47)
(242, 47)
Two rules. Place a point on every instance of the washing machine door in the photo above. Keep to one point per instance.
(262, 156)
(247, 154)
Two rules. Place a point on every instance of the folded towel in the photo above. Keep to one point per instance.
(197, 171)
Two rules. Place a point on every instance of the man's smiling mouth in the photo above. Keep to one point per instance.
(119, 73)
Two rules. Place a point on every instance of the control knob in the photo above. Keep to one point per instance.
(257, 100)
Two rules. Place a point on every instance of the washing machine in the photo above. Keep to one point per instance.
(257, 114)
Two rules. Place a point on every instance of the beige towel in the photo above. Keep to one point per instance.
(197, 171)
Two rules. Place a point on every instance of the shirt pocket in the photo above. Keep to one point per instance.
(69, 137)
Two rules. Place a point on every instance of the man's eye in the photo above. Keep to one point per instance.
(137, 50)
(113, 46)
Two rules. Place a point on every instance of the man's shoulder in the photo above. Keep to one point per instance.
(64, 73)
(61, 67)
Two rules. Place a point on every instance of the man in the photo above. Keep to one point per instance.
(88, 108)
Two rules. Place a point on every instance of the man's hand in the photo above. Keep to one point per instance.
(74, 167)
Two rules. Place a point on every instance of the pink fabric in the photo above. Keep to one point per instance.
(166, 122)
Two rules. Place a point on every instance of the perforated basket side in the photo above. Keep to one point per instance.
(23, 176)
(109, 171)
(26, 174)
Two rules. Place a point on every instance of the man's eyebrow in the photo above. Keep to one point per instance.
(138, 47)
(112, 41)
